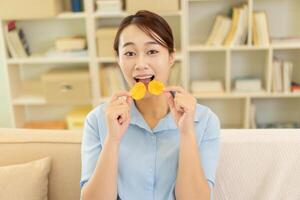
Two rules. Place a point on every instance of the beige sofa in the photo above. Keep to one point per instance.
(254, 164)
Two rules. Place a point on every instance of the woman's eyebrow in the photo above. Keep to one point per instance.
(151, 42)
(146, 43)
(127, 44)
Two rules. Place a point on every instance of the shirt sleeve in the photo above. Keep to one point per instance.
(210, 149)
(91, 146)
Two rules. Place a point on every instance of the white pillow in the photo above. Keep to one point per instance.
(28, 181)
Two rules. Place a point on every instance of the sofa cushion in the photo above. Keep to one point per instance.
(63, 146)
(27, 181)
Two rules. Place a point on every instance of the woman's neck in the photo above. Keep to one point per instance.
(154, 106)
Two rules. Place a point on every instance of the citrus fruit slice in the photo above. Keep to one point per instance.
(138, 91)
(156, 87)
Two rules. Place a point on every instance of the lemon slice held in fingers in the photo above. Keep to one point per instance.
(138, 91)
(156, 87)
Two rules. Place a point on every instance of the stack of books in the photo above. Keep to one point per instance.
(207, 86)
(247, 84)
(16, 41)
(109, 6)
(282, 76)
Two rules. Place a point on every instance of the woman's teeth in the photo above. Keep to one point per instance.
(145, 79)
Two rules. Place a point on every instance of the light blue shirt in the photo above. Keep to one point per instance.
(148, 159)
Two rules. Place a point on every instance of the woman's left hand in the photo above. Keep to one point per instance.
(182, 108)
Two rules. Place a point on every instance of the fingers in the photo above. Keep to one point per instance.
(119, 94)
(177, 89)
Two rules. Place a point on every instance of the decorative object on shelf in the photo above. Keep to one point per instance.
(133, 6)
(16, 41)
(51, 124)
(105, 40)
(109, 6)
(75, 118)
(73, 43)
(295, 87)
(207, 86)
(67, 86)
(260, 29)
(76, 5)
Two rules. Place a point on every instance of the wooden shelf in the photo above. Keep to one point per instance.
(41, 60)
(72, 15)
(191, 26)
(124, 14)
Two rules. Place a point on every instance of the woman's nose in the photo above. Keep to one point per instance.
(141, 64)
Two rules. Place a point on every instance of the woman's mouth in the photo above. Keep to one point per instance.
(144, 79)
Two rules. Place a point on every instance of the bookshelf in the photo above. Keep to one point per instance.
(191, 26)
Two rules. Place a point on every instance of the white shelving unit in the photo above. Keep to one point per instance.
(191, 26)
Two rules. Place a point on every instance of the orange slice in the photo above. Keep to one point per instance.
(156, 87)
(138, 91)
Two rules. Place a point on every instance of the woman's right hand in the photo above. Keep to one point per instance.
(117, 114)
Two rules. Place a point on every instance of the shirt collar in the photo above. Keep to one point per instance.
(166, 123)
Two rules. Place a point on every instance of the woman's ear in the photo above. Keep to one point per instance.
(117, 58)
(172, 57)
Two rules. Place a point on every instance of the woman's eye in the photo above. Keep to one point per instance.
(152, 52)
(129, 53)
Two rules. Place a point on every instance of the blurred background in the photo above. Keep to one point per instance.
(238, 57)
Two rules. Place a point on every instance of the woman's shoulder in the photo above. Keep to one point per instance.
(209, 121)
(204, 112)
(96, 115)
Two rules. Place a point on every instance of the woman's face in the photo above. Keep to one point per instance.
(142, 59)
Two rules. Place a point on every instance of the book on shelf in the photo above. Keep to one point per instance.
(253, 116)
(290, 40)
(111, 80)
(260, 29)
(16, 41)
(76, 5)
(287, 76)
(282, 76)
(238, 32)
(207, 86)
(219, 31)
(247, 84)
(53, 53)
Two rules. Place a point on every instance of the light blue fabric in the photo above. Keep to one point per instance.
(148, 159)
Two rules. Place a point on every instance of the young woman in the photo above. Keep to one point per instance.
(161, 147)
